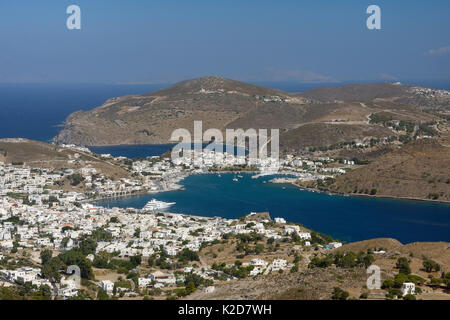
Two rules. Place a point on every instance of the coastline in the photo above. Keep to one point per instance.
(286, 181)
(281, 181)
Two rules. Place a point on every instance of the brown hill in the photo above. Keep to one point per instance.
(356, 92)
(420, 170)
(37, 154)
(378, 243)
(223, 103)
(152, 117)
(325, 134)
(388, 92)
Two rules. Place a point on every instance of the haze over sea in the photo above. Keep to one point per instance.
(36, 111)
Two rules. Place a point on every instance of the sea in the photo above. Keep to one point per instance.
(343, 217)
(38, 111)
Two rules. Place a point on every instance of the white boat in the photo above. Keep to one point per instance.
(154, 204)
(239, 176)
(235, 179)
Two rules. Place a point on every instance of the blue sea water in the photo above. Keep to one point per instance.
(345, 218)
(37, 111)
(133, 151)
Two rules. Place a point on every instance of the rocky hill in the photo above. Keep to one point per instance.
(318, 117)
(36, 154)
(394, 92)
(151, 118)
(420, 169)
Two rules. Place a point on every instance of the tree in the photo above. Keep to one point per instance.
(76, 257)
(339, 294)
(188, 255)
(88, 246)
(101, 260)
(50, 270)
(46, 255)
(190, 287)
(75, 179)
(102, 295)
(403, 265)
(136, 260)
(387, 284)
(430, 265)
(294, 268)
(114, 220)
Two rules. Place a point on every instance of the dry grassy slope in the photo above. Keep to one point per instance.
(223, 103)
(318, 283)
(386, 243)
(310, 284)
(437, 251)
(151, 118)
(413, 171)
(43, 155)
(362, 92)
(378, 92)
(325, 134)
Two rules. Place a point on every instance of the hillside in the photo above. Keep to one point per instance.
(392, 92)
(420, 169)
(36, 154)
(317, 283)
(151, 118)
(319, 117)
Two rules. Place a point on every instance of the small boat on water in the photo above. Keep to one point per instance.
(154, 204)
(239, 176)
(235, 179)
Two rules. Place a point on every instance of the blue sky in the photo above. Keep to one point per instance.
(152, 41)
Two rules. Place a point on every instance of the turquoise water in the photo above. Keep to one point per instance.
(345, 218)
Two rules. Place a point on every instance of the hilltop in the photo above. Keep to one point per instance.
(382, 92)
(151, 118)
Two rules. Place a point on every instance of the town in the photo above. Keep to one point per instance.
(39, 220)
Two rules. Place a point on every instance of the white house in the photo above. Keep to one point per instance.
(68, 289)
(166, 278)
(278, 264)
(333, 245)
(408, 288)
(144, 282)
(107, 285)
(280, 220)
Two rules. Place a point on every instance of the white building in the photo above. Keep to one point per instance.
(107, 285)
(280, 220)
(144, 282)
(333, 245)
(279, 264)
(408, 288)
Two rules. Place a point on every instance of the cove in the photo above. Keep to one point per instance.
(345, 218)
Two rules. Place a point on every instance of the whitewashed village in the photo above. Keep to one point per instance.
(140, 253)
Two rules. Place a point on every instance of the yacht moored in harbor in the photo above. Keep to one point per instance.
(154, 204)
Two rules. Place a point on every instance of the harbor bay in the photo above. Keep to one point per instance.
(347, 218)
